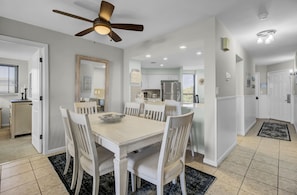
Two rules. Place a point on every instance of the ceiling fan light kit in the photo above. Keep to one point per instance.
(102, 24)
(102, 27)
(266, 36)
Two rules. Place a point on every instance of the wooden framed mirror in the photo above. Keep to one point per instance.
(92, 81)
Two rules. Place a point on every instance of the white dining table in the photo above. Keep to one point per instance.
(130, 134)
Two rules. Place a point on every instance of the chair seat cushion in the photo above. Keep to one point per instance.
(145, 165)
(105, 160)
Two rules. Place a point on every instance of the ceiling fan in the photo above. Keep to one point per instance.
(102, 24)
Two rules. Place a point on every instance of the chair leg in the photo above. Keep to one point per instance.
(138, 182)
(133, 182)
(160, 189)
(74, 173)
(191, 143)
(174, 181)
(79, 180)
(68, 157)
(183, 182)
(96, 180)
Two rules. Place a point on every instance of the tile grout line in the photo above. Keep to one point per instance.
(244, 177)
(35, 176)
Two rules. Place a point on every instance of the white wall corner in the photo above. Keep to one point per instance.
(210, 162)
(227, 152)
(249, 127)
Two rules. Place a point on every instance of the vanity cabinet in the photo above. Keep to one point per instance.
(20, 117)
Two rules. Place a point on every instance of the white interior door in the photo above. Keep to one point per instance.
(36, 70)
(280, 95)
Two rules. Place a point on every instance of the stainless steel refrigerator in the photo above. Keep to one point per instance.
(171, 90)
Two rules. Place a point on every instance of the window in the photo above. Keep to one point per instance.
(8, 79)
(188, 88)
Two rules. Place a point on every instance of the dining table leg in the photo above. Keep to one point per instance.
(120, 174)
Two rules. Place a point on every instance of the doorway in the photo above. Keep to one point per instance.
(39, 120)
(279, 94)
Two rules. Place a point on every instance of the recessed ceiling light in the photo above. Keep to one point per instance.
(165, 58)
(148, 56)
(161, 65)
(182, 47)
(198, 52)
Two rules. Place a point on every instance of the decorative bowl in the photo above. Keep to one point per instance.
(111, 118)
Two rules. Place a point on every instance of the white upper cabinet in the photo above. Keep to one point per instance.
(154, 81)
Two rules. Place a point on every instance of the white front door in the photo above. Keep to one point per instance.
(280, 95)
(36, 70)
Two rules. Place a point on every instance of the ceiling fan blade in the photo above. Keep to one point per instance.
(72, 15)
(114, 36)
(135, 27)
(106, 10)
(84, 32)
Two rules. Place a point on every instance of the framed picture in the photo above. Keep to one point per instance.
(248, 82)
(87, 83)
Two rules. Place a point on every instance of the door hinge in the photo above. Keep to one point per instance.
(40, 98)
(40, 59)
(40, 136)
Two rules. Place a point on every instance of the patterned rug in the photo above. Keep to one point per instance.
(197, 182)
(275, 131)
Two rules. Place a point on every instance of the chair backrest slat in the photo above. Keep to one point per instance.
(132, 108)
(154, 112)
(85, 107)
(85, 140)
(175, 139)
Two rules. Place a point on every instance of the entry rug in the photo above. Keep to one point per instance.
(275, 131)
(197, 182)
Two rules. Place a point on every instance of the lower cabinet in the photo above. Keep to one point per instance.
(20, 118)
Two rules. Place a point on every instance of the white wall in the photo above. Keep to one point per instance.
(295, 93)
(226, 126)
(62, 51)
(233, 95)
(202, 34)
(249, 112)
(200, 86)
(23, 80)
(208, 34)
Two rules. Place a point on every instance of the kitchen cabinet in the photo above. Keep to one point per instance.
(20, 117)
(154, 81)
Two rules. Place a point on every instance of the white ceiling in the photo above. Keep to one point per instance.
(161, 17)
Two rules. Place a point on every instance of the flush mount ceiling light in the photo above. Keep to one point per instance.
(266, 36)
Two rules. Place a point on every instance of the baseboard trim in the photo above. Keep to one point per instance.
(249, 127)
(56, 150)
(210, 162)
(225, 155)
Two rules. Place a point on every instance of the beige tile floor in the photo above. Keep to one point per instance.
(256, 166)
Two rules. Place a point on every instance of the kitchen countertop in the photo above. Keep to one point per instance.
(19, 101)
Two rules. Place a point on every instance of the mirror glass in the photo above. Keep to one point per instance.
(92, 81)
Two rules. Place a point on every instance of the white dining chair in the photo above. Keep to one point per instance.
(85, 107)
(154, 112)
(173, 108)
(132, 108)
(163, 165)
(71, 147)
(95, 161)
